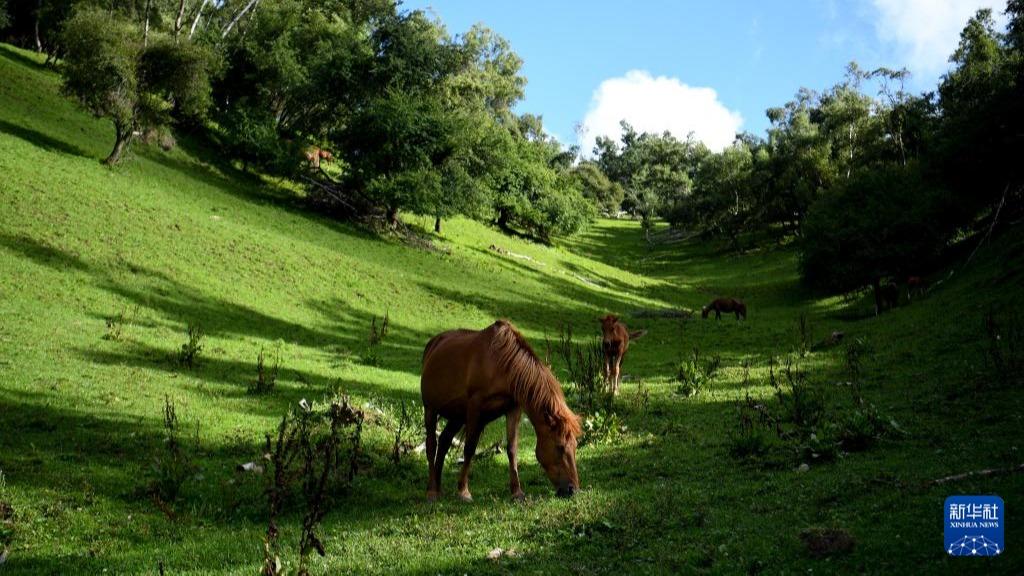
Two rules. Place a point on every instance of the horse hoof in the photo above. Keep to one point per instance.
(432, 497)
(465, 497)
(519, 497)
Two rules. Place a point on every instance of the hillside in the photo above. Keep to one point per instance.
(175, 238)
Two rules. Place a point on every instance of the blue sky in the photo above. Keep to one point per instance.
(707, 67)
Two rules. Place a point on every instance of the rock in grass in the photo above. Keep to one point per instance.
(250, 467)
(498, 553)
(825, 542)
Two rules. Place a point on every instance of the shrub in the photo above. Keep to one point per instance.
(695, 375)
(372, 357)
(172, 466)
(802, 403)
(116, 325)
(585, 366)
(750, 442)
(803, 328)
(751, 439)
(405, 429)
(266, 378)
(188, 355)
(642, 398)
(305, 459)
(602, 428)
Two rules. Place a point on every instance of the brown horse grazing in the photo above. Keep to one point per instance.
(614, 343)
(726, 305)
(472, 377)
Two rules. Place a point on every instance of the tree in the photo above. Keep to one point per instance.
(606, 195)
(722, 198)
(877, 224)
(846, 118)
(655, 170)
(533, 189)
(980, 142)
(394, 149)
(290, 81)
(112, 75)
(801, 167)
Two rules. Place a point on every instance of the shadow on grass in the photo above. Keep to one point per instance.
(233, 378)
(43, 254)
(22, 59)
(41, 140)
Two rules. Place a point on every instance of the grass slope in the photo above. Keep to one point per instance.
(177, 238)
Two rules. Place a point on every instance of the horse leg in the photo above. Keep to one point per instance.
(430, 424)
(473, 430)
(617, 376)
(512, 447)
(447, 435)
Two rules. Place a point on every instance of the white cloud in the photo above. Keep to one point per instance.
(652, 104)
(926, 32)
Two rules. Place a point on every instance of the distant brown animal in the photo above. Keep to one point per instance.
(915, 286)
(887, 297)
(315, 154)
(472, 377)
(727, 305)
(614, 343)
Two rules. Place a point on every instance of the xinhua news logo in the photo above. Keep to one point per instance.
(974, 525)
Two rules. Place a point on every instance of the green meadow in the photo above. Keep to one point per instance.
(103, 269)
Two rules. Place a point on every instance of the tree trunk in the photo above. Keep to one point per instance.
(145, 29)
(877, 285)
(437, 225)
(123, 138)
(39, 13)
(503, 218)
(199, 14)
(238, 17)
(179, 20)
(392, 217)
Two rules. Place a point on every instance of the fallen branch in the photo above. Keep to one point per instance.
(665, 313)
(332, 194)
(995, 220)
(986, 472)
(587, 281)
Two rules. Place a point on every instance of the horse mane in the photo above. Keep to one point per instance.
(533, 384)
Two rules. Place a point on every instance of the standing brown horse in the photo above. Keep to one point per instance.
(614, 342)
(472, 377)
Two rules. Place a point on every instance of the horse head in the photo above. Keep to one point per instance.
(556, 452)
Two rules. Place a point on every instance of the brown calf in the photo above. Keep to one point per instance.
(614, 343)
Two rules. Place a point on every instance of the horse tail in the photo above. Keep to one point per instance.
(637, 335)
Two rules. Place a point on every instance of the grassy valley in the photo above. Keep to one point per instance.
(102, 271)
